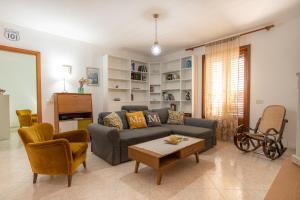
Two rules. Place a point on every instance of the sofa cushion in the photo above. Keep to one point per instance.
(152, 118)
(191, 131)
(122, 115)
(163, 114)
(135, 136)
(175, 117)
(113, 120)
(136, 120)
(77, 148)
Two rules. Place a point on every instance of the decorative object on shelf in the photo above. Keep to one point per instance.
(189, 64)
(171, 97)
(155, 49)
(117, 86)
(82, 82)
(92, 75)
(66, 73)
(187, 96)
(172, 76)
(187, 114)
(151, 88)
(117, 99)
(2, 91)
(165, 96)
(132, 66)
(142, 68)
(173, 106)
(132, 97)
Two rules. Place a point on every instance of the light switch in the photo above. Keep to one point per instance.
(259, 101)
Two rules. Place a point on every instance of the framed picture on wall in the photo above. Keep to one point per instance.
(92, 75)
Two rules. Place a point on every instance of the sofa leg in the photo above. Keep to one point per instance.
(69, 180)
(84, 164)
(35, 175)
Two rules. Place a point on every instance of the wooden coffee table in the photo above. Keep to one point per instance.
(160, 156)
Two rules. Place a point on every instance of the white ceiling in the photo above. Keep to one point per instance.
(128, 24)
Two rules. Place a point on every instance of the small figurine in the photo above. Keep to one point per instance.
(188, 96)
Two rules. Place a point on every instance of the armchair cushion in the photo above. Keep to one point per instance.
(77, 148)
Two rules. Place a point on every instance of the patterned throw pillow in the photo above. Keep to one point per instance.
(176, 117)
(136, 120)
(113, 120)
(152, 118)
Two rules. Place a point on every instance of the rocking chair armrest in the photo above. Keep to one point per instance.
(272, 129)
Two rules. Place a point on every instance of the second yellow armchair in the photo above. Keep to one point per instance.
(54, 154)
(26, 118)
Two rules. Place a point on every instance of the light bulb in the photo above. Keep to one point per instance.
(156, 49)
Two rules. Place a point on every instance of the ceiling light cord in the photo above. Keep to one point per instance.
(155, 41)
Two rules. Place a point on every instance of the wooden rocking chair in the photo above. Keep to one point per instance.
(267, 133)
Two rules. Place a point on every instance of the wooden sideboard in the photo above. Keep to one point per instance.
(4, 117)
(71, 109)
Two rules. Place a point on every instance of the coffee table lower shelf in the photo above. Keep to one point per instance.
(161, 162)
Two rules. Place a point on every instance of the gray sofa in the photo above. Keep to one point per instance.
(112, 145)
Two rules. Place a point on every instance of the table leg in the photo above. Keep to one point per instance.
(158, 177)
(197, 157)
(137, 164)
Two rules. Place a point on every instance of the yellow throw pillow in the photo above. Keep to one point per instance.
(136, 120)
(113, 120)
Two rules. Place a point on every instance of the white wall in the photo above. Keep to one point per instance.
(56, 51)
(275, 60)
(18, 77)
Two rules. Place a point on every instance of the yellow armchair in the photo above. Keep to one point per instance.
(26, 118)
(54, 154)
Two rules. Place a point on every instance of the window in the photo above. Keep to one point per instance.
(241, 79)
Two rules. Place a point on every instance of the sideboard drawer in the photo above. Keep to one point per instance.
(74, 103)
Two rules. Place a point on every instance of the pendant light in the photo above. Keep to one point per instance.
(155, 49)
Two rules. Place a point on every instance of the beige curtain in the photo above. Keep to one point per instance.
(221, 85)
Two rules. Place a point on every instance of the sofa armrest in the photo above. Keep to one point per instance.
(105, 142)
(73, 136)
(205, 123)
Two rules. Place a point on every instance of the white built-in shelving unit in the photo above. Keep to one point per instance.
(133, 82)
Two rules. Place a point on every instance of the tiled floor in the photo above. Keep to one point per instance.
(222, 173)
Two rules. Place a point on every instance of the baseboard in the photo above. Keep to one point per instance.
(296, 159)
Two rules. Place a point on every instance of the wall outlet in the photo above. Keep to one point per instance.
(259, 101)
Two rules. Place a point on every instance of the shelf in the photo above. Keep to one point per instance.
(155, 92)
(186, 79)
(154, 101)
(154, 84)
(186, 69)
(119, 88)
(172, 71)
(119, 79)
(186, 89)
(137, 72)
(170, 90)
(119, 69)
(171, 101)
(170, 81)
(139, 81)
(139, 90)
